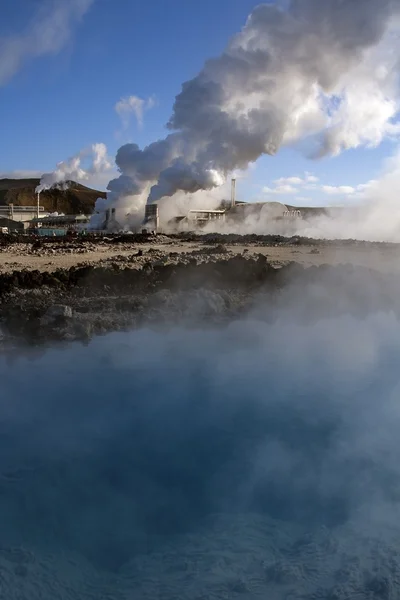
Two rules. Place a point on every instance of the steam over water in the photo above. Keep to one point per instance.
(254, 461)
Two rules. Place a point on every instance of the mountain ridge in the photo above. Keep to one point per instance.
(71, 198)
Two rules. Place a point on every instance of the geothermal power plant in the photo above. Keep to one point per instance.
(199, 393)
(228, 214)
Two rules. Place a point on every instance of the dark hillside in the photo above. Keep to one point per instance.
(75, 199)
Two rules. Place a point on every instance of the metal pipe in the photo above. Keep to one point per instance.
(233, 193)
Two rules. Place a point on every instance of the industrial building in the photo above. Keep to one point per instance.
(233, 212)
(58, 225)
(229, 211)
(22, 214)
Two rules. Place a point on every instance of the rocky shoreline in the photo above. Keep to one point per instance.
(199, 287)
(80, 302)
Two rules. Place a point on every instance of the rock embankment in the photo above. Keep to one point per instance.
(77, 303)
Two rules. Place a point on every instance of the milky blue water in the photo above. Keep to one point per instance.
(198, 463)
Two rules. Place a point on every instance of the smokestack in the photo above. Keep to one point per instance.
(38, 205)
(233, 193)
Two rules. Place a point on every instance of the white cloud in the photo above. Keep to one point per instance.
(338, 190)
(299, 181)
(311, 178)
(290, 185)
(321, 192)
(280, 189)
(288, 181)
(49, 31)
(133, 105)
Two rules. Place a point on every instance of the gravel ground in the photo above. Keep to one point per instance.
(52, 255)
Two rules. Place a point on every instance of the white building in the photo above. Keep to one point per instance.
(21, 213)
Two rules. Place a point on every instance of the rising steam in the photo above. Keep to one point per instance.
(81, 167)
(323, 73)
(257, 460)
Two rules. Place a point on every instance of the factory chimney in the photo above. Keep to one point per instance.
(38, 205)
(233, 193)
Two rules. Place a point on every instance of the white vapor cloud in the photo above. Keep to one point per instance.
(133, 105)
(261, 461)
(319, 76)
(91, 166)
(368, 211)
(48, 32)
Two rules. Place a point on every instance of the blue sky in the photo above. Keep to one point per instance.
(55, 104)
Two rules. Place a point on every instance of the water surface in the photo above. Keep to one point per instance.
(254, 461)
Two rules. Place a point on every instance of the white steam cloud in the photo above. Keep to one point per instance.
(133, 105)
(86, 166)
(325, 74)
(373, 215)
(49, 31)
(376, 217)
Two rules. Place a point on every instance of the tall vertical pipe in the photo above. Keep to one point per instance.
(233, 193)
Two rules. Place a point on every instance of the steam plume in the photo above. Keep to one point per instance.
(325, 73)
(74, 168)
(125, 107)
